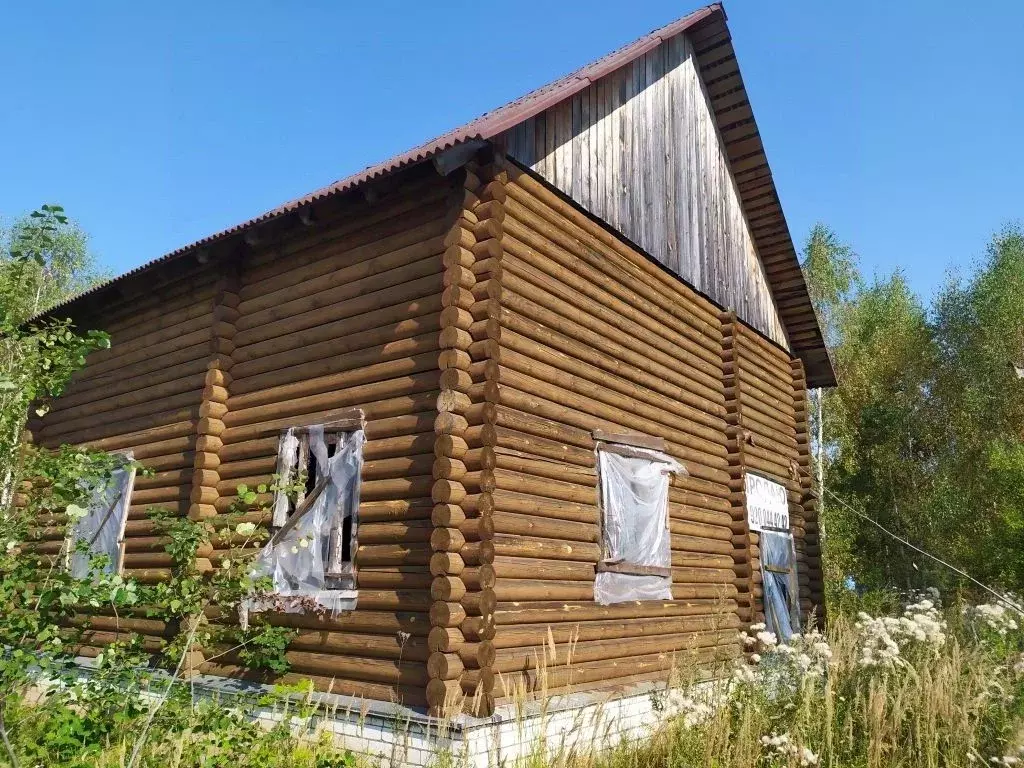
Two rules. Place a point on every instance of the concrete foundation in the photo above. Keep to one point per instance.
(396, 735)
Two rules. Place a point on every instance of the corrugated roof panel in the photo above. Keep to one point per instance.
(487, 126)
(712, 38)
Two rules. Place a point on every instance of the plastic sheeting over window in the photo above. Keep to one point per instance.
(310, 557)
(779, 582)
(102, 529)
(637, 556)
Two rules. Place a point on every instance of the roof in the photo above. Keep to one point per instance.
(717, 61)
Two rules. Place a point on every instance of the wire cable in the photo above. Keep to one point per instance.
(1001, 598)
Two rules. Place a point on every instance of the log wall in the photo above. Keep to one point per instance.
(575, 331)
(463, 614)
(812, 539)
(767, 434)
(487, 327)
(347, 314)
(142, 394)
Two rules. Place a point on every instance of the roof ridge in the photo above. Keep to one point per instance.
(485, 126)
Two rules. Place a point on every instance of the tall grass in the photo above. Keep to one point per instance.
(917, 689)
(948, 693)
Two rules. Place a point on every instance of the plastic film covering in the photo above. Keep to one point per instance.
(287, 458)
(296, 559)
(634, 502)
(103, 527)
(778, 580)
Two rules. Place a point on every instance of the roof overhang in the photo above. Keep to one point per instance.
(717, 61)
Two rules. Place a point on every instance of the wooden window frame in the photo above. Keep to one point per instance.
(792, 575)
(117, 558)
(626, 444)
(337, 569)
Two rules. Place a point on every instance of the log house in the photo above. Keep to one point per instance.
(604, 256)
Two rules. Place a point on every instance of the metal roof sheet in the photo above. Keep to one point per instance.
(772, 238)
(485, 127)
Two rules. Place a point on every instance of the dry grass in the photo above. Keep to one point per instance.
(960, 703)
(954, 698)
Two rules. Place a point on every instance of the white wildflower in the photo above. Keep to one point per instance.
(993, 616)
(694, 712)
(882, 640)
(781, 745)
(807, 757)
(742, 674)
(766, 638)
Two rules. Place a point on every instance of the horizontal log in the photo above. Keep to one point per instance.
(85, 424)
(365, 645)
(401, 415)
(554, 549)
(529, 525)
(526, 635)
(410, 213)
(389, 327)
(585, 322)
(501, 500)
(507, 567)
(562, 406)
(372, 623)
(532, 358)
(599, 247)
(478, 628)
(592, 289)
(409, 694)
(549, 657)
(364, 298)
(577, 611)
(607, 671)
(343, 283)
(425, 381)
(528, 320)
(150, 385)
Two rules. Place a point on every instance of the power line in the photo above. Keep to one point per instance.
(940, 561)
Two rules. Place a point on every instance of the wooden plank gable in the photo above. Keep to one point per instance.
(641, 148)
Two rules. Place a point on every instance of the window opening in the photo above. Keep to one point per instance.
(310, 556)
(102, 528)
(633, 479)
(779, 583)
(767, 504)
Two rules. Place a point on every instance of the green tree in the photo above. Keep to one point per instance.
(43, 260)
(978, 396)
(830, 268)
(878, 428)
(925, 432)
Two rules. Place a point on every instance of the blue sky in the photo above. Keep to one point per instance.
(897, 124)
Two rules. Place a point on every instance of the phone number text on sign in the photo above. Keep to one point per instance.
(767, 505)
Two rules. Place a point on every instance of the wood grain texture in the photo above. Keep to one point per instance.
(641, 150)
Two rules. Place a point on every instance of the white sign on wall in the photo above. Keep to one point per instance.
(767, 505)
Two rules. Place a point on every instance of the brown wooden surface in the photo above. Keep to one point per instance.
(640, 149)
(488, 331)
